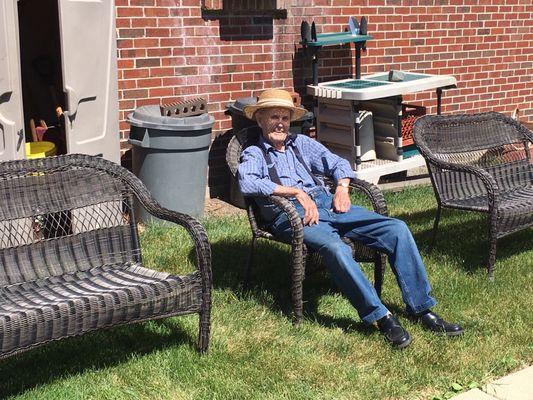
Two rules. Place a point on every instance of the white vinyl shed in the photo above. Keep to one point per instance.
(59, 53)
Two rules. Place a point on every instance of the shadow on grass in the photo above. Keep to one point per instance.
(270, 282)
(73, 356)
(462, 238)
(461, 241)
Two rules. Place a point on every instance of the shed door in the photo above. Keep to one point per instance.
(11, 119)
(88, 48)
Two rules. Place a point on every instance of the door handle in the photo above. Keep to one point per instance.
(20, 134)
(74, 100)
(5, 97)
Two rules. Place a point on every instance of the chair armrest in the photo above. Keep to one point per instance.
(373, 193)
(196, 231)
(290, 211)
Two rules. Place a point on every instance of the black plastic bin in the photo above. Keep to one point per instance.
(170, 156)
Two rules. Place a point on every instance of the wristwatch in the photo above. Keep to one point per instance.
(343, 184)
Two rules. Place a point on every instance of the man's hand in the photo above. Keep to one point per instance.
(309, 206)
(341, 200)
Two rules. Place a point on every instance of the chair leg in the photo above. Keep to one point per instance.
(298, 255)
(435, 228)
(204, 329)
(493, 239)
(379, 272)
(204, 321)
(249, 263)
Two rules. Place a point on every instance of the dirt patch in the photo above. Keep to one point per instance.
(219, 208)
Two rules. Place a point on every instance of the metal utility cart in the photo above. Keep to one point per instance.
(342, 108)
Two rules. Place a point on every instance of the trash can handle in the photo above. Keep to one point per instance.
(145, 142)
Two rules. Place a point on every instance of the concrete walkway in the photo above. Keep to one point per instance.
(517, 386)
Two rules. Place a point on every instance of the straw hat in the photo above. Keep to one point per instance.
(275, 98)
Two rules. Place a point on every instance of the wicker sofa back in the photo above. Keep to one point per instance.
(489, 141)
(64, 219)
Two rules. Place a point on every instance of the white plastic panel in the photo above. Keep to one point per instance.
(88, 48)
(426, 82)
(11, 118)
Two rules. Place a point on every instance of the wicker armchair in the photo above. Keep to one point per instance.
(299, 252)
(480, 162)
(70, 260)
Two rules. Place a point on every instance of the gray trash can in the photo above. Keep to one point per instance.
(170, 155)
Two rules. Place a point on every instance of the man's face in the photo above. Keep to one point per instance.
(275, 124)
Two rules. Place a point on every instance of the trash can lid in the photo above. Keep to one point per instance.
(150, 117)
(240, 103)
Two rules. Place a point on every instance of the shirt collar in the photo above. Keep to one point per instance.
(268, 147)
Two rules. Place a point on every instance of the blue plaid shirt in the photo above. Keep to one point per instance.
(254, 179)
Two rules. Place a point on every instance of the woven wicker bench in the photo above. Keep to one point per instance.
(70, 260)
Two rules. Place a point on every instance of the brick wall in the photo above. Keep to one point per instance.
(174, 49)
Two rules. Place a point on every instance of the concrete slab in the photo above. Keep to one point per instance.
(474, 394)
(517, 386)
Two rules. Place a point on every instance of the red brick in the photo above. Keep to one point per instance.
(123, 23)
(156, 12)
(136, 73)
(148, 62)
(130, 33)
(135, 94)
(129, 12)
(159, 52)
(157, 32)
(143, 22)
(158, 92)
(152, 82)
(146, 42)
(142, 2)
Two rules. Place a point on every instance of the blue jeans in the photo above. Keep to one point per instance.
(385, 234)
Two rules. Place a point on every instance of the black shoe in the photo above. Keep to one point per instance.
(395, 334)
(434, 323)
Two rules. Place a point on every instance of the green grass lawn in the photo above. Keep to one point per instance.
(255, 351)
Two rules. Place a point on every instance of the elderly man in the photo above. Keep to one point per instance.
(285, 165)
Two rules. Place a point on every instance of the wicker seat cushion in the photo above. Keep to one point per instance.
(71, 304)
(517, 200)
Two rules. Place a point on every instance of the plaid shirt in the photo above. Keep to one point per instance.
(255, 181)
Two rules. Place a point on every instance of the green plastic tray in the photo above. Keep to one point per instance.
(356, 84)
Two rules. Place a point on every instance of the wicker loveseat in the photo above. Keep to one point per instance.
(300, 254)
(480, 162)
(70, 260)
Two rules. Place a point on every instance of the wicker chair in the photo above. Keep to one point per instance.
(70, 260)
(299, 252)
(480, 162)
